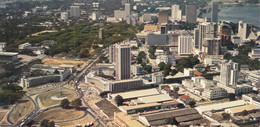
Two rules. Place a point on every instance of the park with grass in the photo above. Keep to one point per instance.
(54, 97)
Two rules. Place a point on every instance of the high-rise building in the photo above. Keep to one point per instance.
(74, 11)
(206, 30)
(101, 34)
(127, 10)
(64, 16)
(211, 46)
(163, 17)
(196, 38)
(95, 11)
(123, 61)
(191, 13)
(176, 12)
(224, 33)
(111, 51)
(185, 44)
(214, 16)
(229, 73)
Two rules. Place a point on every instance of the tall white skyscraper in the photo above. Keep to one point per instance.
(185, 44)
(191, 13)
(176, 12)
(111, 55)
(64, 16)
(123, 61)
(214, 16)
(229, 73)
(74, 11)
(127, 9)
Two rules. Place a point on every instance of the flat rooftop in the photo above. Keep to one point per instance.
(220, 106)
(155, 98)
(242, 108)
(139, 106)
(137, 93)
(8, 53)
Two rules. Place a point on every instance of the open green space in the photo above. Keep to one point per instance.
(81, 39)
(48, 98)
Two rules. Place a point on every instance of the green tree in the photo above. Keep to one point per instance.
(56, 72)
(174, 72)
(192, 104)
(65, 103)
(167, 70)
(180, 105)
(152, 50)
(148, 68)
(47, 123)
(119, 100)
(244, 113)
(231, 96)
(225, 116)
(76, 103)
(161, 65)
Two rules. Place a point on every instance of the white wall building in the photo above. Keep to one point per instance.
(74, 11)
(185, 44)
(64, 16)
(166, 59)
(24, 46)
(229, 73)
(214, 93)
(176, 13)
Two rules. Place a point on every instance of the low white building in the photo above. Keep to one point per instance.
(233, 52)
(137, 69)
(24, 45)
(166, 59)
(2, 46)
(188, 71)
(157, 78)
(159, 52)
(237, 89)
(253, 76)
(214, 93)
(255, 53)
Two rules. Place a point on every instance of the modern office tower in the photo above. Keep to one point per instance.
(101, 34)
(176, 12)
(214, 16)
(224, 33)
(164, 28)
(229, 73)
(95, 11)
(185, 44)
(111, 51)
(74, 11)
(64, 16)
(191, 13)
(123, 2)
(196, 38)
(127, 10)
(206, 30)
(123, 61)
(163, 17)
(211, 46)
